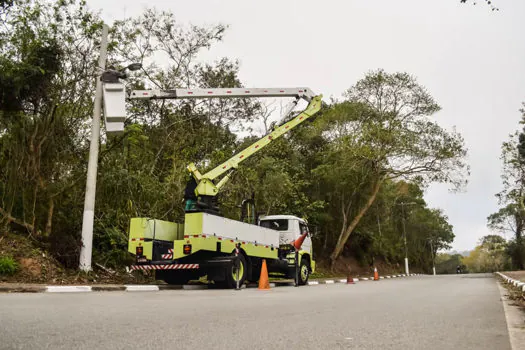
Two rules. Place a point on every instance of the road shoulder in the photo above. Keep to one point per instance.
(515, 318)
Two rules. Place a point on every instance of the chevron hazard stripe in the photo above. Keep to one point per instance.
(165, 267)
(169, 255)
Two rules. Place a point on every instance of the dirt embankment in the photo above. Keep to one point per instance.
(517, 275)
(35, 265)
(349, 266)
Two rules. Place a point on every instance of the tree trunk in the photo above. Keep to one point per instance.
(50, 216)
(10, 219)
(33, 209)
(345, 234)
(519, 242)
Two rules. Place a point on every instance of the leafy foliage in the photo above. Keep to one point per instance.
(447, 263)
(8, 266)
(511, 216)
(347, 172)
(382, 129)
(487, 2)
(489, 256)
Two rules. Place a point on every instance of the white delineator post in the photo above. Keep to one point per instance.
(91, 182)
(406, 266)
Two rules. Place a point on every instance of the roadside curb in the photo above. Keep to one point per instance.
(512, 310)
(515, 283)
(22, 289)
(17, 288)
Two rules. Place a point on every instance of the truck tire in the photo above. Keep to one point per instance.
(304, 271)
(231, 278)
(255, 274)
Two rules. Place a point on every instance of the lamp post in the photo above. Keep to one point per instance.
(432, 256)
(405, 233)
(91, 181)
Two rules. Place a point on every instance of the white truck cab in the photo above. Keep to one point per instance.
(290, 228)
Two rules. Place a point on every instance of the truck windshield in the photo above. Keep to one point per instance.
(279, 224)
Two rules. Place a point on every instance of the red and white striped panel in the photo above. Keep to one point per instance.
(166, 267)
(169, 255)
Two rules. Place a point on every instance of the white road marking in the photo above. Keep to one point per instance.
(67, 289)
(141, 288)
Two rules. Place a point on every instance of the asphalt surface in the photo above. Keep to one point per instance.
(425, 312)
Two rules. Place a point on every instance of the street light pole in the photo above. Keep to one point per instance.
(405, 237)
(432, 256)
(91, 182)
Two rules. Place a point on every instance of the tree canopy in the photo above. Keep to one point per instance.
(357, 173)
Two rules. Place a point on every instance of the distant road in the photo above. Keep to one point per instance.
(425, 312)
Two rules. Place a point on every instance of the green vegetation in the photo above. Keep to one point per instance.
(510, 218)
(448, 263)
(489, 256)
(8, 266)
(357, 173)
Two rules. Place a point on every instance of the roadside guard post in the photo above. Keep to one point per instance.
(237, 266)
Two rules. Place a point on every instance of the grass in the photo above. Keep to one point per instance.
(8, 266)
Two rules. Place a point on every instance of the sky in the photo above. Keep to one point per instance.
(470, 59)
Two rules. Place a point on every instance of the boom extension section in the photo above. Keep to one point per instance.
(304, 93)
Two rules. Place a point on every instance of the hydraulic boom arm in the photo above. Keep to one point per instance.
(205, 185)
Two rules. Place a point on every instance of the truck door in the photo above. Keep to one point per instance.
(307, 244)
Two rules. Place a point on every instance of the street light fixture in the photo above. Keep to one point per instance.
(112, 75)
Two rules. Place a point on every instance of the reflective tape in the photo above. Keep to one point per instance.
(165, 267)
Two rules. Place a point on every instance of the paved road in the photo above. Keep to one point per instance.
(442, 312)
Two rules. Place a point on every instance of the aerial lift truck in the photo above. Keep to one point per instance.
(226, 251)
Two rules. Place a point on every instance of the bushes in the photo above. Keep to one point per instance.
(8, 266)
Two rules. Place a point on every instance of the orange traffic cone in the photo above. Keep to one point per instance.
(299, 241)
(264, 283)
(376, 275)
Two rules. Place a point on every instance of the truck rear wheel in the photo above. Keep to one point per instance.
(231, 274)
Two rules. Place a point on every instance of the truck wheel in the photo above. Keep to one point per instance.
(256, 270)
(304, 272)
(231, 275)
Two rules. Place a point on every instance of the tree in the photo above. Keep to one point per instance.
(511, 217)
(487, 2)
(46, 51)
(381, 132)
(447, 263)
(489, 256)
(360, 159)
(48, 57)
